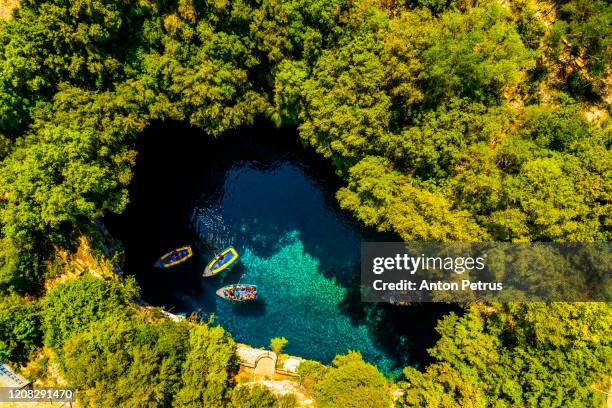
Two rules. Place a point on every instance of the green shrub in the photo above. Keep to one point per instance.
(20, 332)
(258, 396)
(123, 362)
(72, 306)
(277, 344)
(208, 368)
(352, 383)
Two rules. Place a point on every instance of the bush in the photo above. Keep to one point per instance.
(277, 344)
(20, 267)
(73, 305)
(351, 382)
(258, 396)
(20, 332)
(311, 373)
(132, 362)
(207, 369)
(518, 354)
(120, 362)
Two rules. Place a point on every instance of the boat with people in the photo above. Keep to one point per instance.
(222, 261)
(174, 257)
(238, 292)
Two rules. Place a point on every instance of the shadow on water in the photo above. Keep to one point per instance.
(261, 191)
(256, 308)
(399, 328)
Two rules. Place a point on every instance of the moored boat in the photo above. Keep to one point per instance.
(398, 298)
(222, 261)
(238, 292)
(174, 257)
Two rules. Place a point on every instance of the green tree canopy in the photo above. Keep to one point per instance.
(122, 362)
(518, 354)
(72, 306)
(119, 361)
(583, 32)
(207, 368)
(53, 42)
(383, 197)
(352, 383)
(20, 331)
(258, 396)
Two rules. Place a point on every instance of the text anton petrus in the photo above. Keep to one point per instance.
(400, 272)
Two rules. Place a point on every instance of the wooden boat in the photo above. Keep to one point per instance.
(174, 257)
(240, 292)
(222, 261)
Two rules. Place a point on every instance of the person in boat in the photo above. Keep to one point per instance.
(247, 293)
(230, 294)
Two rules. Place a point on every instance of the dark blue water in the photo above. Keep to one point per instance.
(270, 198)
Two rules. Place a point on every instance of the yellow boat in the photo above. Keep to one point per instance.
(174, 257)
(222, 261)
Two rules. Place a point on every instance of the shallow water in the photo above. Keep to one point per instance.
(261, 192)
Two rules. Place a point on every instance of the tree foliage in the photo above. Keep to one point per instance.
(122, 362)
(583, 32)
(386, 199)
(520, 354)
(350, 382)
(277, 344)
(133, 360)
(207, 367)
(20, 331)
(72, 306)
(257, 395)
(20, 267)
(53, 42)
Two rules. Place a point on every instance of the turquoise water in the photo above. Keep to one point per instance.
(274, 202)
(300, 252)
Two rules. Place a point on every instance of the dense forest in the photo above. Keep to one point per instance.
(448, 120)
